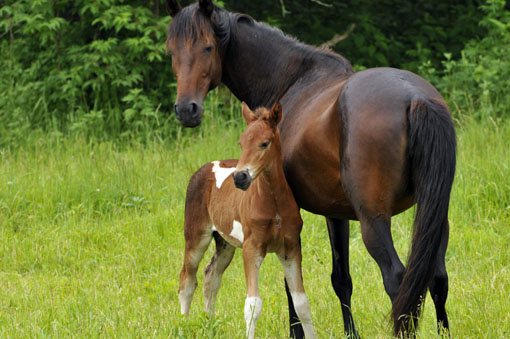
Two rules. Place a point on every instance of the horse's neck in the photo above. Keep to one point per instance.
(261, 66)
(259, 70)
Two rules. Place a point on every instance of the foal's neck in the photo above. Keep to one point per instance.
(272, 185)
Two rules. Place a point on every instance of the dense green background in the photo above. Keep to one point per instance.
(98, 68)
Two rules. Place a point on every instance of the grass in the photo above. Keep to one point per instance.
(91, 244)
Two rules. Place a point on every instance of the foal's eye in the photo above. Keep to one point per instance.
(208, 49)
(264, 145)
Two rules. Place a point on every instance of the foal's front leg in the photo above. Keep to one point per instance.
(291, 263)
(252, 257)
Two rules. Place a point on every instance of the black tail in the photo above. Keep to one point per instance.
(431, 151)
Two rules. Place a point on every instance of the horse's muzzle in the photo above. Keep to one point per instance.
(188, 112)
(242, 179)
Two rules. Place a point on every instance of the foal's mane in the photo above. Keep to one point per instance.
(190, 24)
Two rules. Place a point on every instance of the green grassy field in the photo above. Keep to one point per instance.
(91, 244)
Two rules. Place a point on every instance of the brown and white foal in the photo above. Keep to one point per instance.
(262, 216)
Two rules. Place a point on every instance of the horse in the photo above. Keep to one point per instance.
(252, 209)
(355, 145)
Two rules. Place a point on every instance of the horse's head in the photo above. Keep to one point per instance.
(260, 144)
(196, 59)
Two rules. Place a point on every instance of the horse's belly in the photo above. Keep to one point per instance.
(313, 174)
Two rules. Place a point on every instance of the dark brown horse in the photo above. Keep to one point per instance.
(259, 216)
(361, 146)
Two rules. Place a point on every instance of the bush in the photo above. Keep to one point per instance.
(478, 81)
(95, 67)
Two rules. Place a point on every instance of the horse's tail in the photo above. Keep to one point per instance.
(431, 153)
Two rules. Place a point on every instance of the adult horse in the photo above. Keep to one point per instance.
(356, 146)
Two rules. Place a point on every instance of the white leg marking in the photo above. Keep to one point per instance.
(213, 276)
(301, 304)
(190, 282)
(210, 291)
(221, 173)
(186, 295)
(237, 231)
(304, 313)
(252, 309)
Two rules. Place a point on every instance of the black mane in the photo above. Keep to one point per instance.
(190, 24)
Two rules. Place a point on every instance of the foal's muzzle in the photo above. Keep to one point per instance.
(188, 112)
(242, 179)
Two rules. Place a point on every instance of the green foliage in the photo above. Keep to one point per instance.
(87, 66)
(478, 80)
(98, 68)
(397, 33)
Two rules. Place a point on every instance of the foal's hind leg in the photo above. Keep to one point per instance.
(439, 284)
(340, 277)
(196, 245)
(214, 271)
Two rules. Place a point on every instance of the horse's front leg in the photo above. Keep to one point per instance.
(252, 257)
(291, 262)
(340, 277)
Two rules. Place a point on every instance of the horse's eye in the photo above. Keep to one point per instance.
(264, 145)
(208, 49)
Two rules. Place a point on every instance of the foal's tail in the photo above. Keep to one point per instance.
(431, 152)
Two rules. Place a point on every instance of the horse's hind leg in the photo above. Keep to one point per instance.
(379, 243)
(340, 277)
(214, 271)
(439, 284)
(196, 245)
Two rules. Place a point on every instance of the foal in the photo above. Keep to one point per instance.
(259, 218)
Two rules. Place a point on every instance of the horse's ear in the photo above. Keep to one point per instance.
(276, 114)
(173, 7)
(248, 115)
(206, 7)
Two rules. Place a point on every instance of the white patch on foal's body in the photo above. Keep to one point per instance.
(237, 231)
(221, 173)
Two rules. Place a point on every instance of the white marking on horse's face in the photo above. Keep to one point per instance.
(252, 309)
(251, 171)
(213, 228)
(237, 231)
(221, 173)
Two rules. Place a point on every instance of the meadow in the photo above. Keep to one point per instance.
(91, 243)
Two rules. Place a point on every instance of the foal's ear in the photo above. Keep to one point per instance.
(206, 7)
(248, 115)
(173, 7)
(276, 114)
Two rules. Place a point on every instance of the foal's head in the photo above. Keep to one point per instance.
(260, 144)
(196, 62)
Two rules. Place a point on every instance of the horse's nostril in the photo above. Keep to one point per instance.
(243, 176)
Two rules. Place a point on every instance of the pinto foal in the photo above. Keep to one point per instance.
(259, 218)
